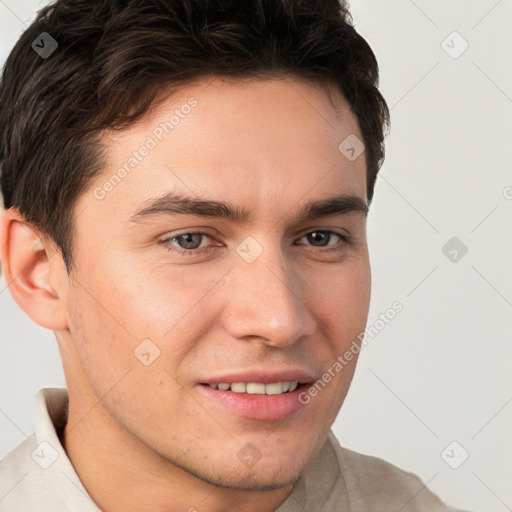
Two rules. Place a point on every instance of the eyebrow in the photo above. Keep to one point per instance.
(173, 203)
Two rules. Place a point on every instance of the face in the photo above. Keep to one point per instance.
(166, 306)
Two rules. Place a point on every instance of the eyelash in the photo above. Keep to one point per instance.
(192, 252)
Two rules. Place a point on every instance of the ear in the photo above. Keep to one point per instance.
(35, 276)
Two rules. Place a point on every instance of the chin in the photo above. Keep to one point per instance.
(255, 479)
(285, 460)
(264, 475)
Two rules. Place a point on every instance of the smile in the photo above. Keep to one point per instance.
(273, 401)
(257, 388)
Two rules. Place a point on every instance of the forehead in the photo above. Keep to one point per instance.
(237, 139)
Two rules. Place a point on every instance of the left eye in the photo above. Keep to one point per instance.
(324, 236)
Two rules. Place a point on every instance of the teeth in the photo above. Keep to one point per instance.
(257, 388)
(238, 387)
(274, 388)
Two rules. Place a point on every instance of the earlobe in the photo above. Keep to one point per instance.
(26, 264)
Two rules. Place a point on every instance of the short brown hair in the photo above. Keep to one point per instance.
(114, 56)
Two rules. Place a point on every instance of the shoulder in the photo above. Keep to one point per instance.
(16, 470)
(17, 462)
(373, 482)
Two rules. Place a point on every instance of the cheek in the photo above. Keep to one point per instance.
(343, 311)
(171, 307)
(97, 332)
(345, 299)
(166, 305)
(123, 354)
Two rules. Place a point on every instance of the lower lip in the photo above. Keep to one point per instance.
(257, 407)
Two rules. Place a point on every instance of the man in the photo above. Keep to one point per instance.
(186, 187)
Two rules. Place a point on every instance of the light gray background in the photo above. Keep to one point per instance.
(441, 370)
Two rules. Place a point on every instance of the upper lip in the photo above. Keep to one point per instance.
(262, 375)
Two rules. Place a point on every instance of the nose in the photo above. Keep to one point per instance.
(266, 301)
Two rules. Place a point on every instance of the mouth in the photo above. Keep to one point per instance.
(262, 401)
(256, 388)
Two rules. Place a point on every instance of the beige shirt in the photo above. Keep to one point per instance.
(37, 476)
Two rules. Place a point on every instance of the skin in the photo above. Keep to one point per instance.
(143, 437)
